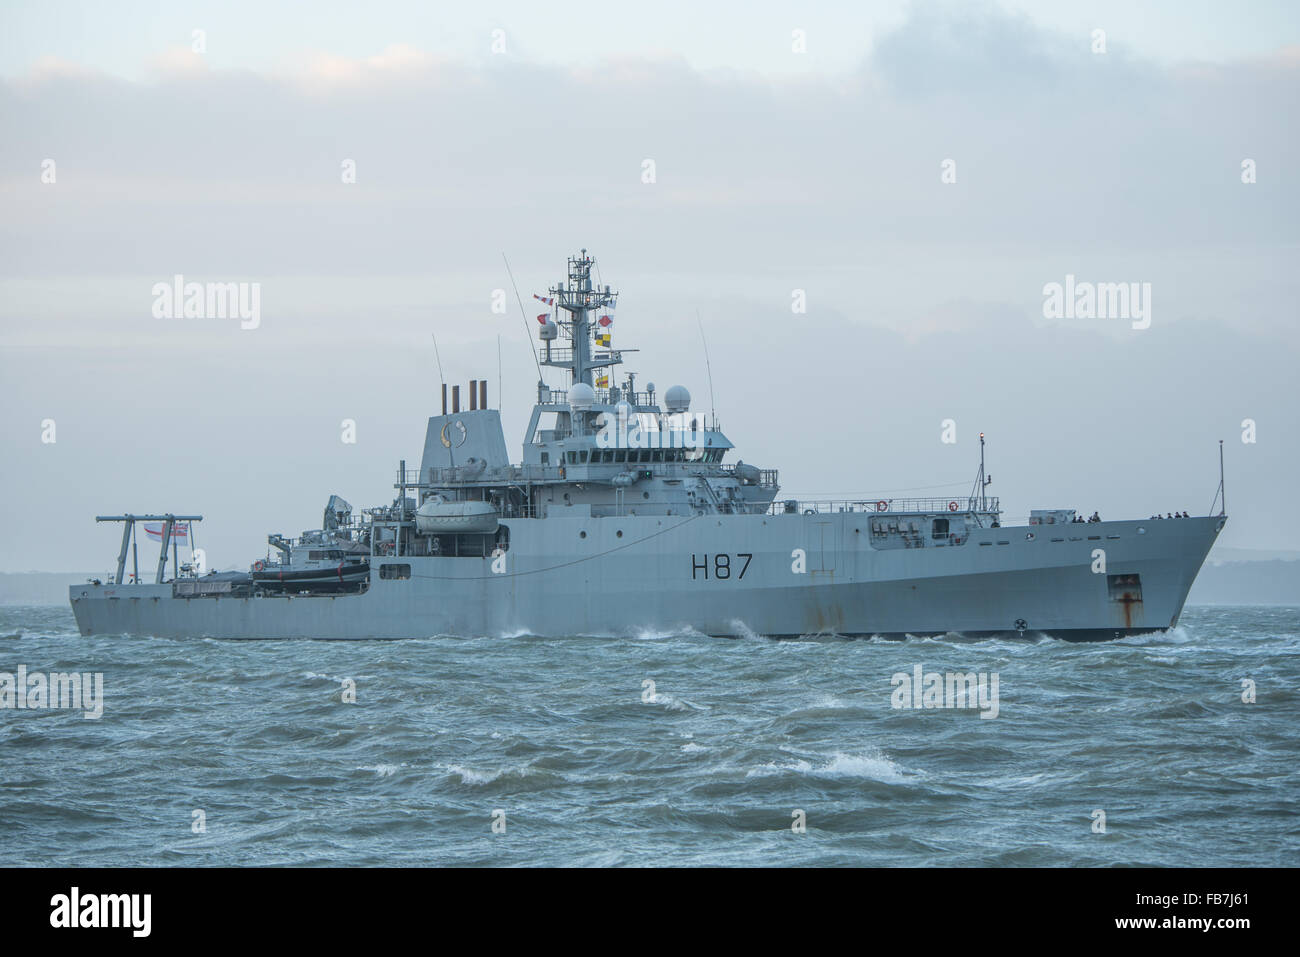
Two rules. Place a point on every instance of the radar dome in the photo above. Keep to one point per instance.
(581, 396)
(677, 399)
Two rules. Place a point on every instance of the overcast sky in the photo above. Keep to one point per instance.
(775, 171)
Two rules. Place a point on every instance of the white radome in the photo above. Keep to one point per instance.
(581, 396)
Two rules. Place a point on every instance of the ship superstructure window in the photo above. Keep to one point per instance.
(940, 528)
(395, 572)
(323, 555)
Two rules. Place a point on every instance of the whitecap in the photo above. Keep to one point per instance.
(873, 767)
(381, 770)
(470, 776)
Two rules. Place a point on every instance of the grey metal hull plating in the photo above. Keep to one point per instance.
(664, 573)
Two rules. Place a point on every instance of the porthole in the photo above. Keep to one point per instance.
(582, 534)
(645, 494)
(619, 533)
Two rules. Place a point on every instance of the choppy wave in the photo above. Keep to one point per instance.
(873, 766)
(556, 736)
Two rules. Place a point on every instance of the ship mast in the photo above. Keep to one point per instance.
(579, 298)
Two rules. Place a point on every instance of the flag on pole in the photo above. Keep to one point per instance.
(549, 302)
(602, 381)
(180, 531)
(542, 318)
(605, 320)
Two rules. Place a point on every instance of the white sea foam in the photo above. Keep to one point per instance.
(743, 630)
(381, 770)
(690, 747)
(873, 767)
(670, 703)
(470, 776)
(658, 634)
(517, 633)
(828, 701)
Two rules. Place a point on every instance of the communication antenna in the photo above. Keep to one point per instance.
(528, 330)
(441, 380)
(1220, 494)
(712, 410)
(1223, 489)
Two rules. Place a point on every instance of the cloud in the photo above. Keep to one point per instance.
(924, 297)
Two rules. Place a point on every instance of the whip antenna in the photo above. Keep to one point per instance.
(441, 380)
(712, 410)
(524, 314)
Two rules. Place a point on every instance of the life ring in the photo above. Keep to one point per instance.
(258, 565)
(952, 506)
(881, 505)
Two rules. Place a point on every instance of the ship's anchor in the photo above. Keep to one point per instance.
(1021, 625)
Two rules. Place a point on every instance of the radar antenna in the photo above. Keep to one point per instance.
(577, 297)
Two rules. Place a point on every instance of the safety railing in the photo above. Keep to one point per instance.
(962, 505)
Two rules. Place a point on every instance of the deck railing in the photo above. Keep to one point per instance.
(961, 505)
(525, 474)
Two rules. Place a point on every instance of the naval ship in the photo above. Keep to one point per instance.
(626, 516)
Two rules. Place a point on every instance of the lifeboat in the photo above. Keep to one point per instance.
(321, 571)
(438, 516)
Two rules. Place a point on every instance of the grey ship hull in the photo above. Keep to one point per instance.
(658, 573)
